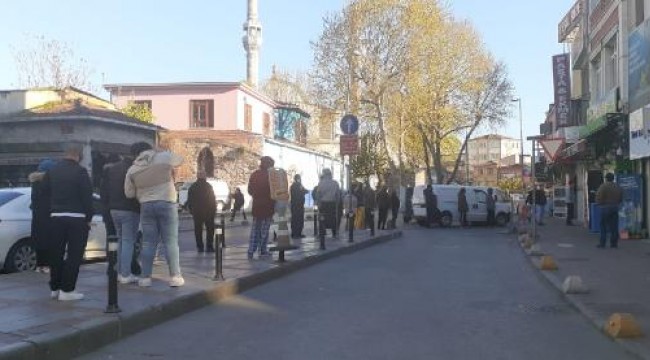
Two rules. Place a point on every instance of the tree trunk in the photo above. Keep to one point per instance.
(382, 135)
(459, 157)
(437, 158)
(425, 147)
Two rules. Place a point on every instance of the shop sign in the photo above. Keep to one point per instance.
(603, 107)
(639, 66)
(562, 89)
(570, 21)
(631, 209)
(593, 126)
(640, 134)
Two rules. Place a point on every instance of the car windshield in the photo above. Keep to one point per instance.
(7, 196)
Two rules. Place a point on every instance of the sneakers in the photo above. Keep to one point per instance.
(54, 294)
(250, 256)
(127, 279)
(70, 296)
(144, 282)
(177, 281)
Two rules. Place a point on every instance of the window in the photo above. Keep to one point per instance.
(248, 117)
(480, 196)
(611, 65)
(596, 78)
(267, 124)
(639, 12)
(201, 113)
(7, 196)
(145, 103)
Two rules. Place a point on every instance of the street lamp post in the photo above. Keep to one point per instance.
(521, 143)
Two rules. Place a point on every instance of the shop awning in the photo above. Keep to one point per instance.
(598, 124)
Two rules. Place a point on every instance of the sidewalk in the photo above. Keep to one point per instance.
(618, 279)
(36, 327)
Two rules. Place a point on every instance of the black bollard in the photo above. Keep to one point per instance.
(223, 226)
(351, 227)
(321, 231)
(112, 247)
(315, 220)
(218, 252)
(372, 223)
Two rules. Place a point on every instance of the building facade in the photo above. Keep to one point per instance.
(491, 147)
(36, 124)
(224, 128)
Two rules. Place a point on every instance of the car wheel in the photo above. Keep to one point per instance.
(446, 219)
(502, 219)
(21, 257)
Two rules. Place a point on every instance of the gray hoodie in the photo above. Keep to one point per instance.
(328, 189)
(150, 178)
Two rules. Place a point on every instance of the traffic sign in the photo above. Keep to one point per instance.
(349, 124)
(552, 146)
(349, 145)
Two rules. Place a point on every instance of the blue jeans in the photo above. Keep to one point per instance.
(126, 227)
(159, 223)
(609, 222)
(259, 236)
(539, 213)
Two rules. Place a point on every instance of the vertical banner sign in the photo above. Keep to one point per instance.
(639, 66)
(631, 209)
(562, 89)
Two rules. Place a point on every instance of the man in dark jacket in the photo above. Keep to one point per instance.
(298, 193)
(370, 202)
(394, 207)
(125, 216)
(383, 204)
(68, 187)
(259, 187)
(431, 204)
(41, 215)
(608, 198)
(202, 205)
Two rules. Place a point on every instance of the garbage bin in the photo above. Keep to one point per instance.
(594, 218)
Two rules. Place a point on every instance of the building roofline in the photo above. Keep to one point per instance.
(22, 119)
(196, 84)
(53, 88)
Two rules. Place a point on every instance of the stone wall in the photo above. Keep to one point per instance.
(236, 153)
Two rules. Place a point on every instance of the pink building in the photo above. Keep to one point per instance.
(201, 105)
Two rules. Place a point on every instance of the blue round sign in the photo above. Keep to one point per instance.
(349, 124)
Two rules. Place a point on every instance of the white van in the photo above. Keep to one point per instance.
(448, 204)
(220, 188)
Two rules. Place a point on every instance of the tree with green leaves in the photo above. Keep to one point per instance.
(140, 112)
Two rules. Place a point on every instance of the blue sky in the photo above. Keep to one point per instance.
(200, 40)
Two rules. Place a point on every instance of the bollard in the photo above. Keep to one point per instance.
(223, 226)
(321, 231)
(112, 247)
(218, 252)
(350, 226)
(372, 223)
(315, 220)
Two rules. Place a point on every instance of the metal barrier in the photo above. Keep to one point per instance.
(321, 230)
(112, 247)
(315, 220)
(350, 226)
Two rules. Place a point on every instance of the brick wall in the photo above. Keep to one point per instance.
(236, 153)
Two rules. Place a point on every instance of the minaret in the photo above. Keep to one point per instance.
(252, 40)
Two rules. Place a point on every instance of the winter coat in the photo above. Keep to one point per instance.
(150, 178)
(201, 200)
(259, 188)
(609, 193)
(328, 190)
(369, 198)
(112, 187)
(298, 193)
(68, 188)
(238, 198)
(40, 211)
(462, 202)
(383, 200)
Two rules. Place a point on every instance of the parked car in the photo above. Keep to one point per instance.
(448, 204)
(17, 251)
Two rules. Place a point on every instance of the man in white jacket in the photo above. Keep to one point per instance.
(150, 179)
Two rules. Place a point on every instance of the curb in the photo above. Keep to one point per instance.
(628, 346)
(66, 343)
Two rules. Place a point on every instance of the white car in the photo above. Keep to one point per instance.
(219, 187)
(448, 204)
(17, 251)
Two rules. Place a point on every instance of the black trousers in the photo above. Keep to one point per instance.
(383, 216)
(369, 218)
(569, 213)
(463, 218)
(490, 217)
(234, 211)
(70, 233)
(327, 211)
(207, 221)
(297, 220)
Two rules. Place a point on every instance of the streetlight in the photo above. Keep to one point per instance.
(521, 143)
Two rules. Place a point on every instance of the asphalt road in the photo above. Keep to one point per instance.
(434, 294)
